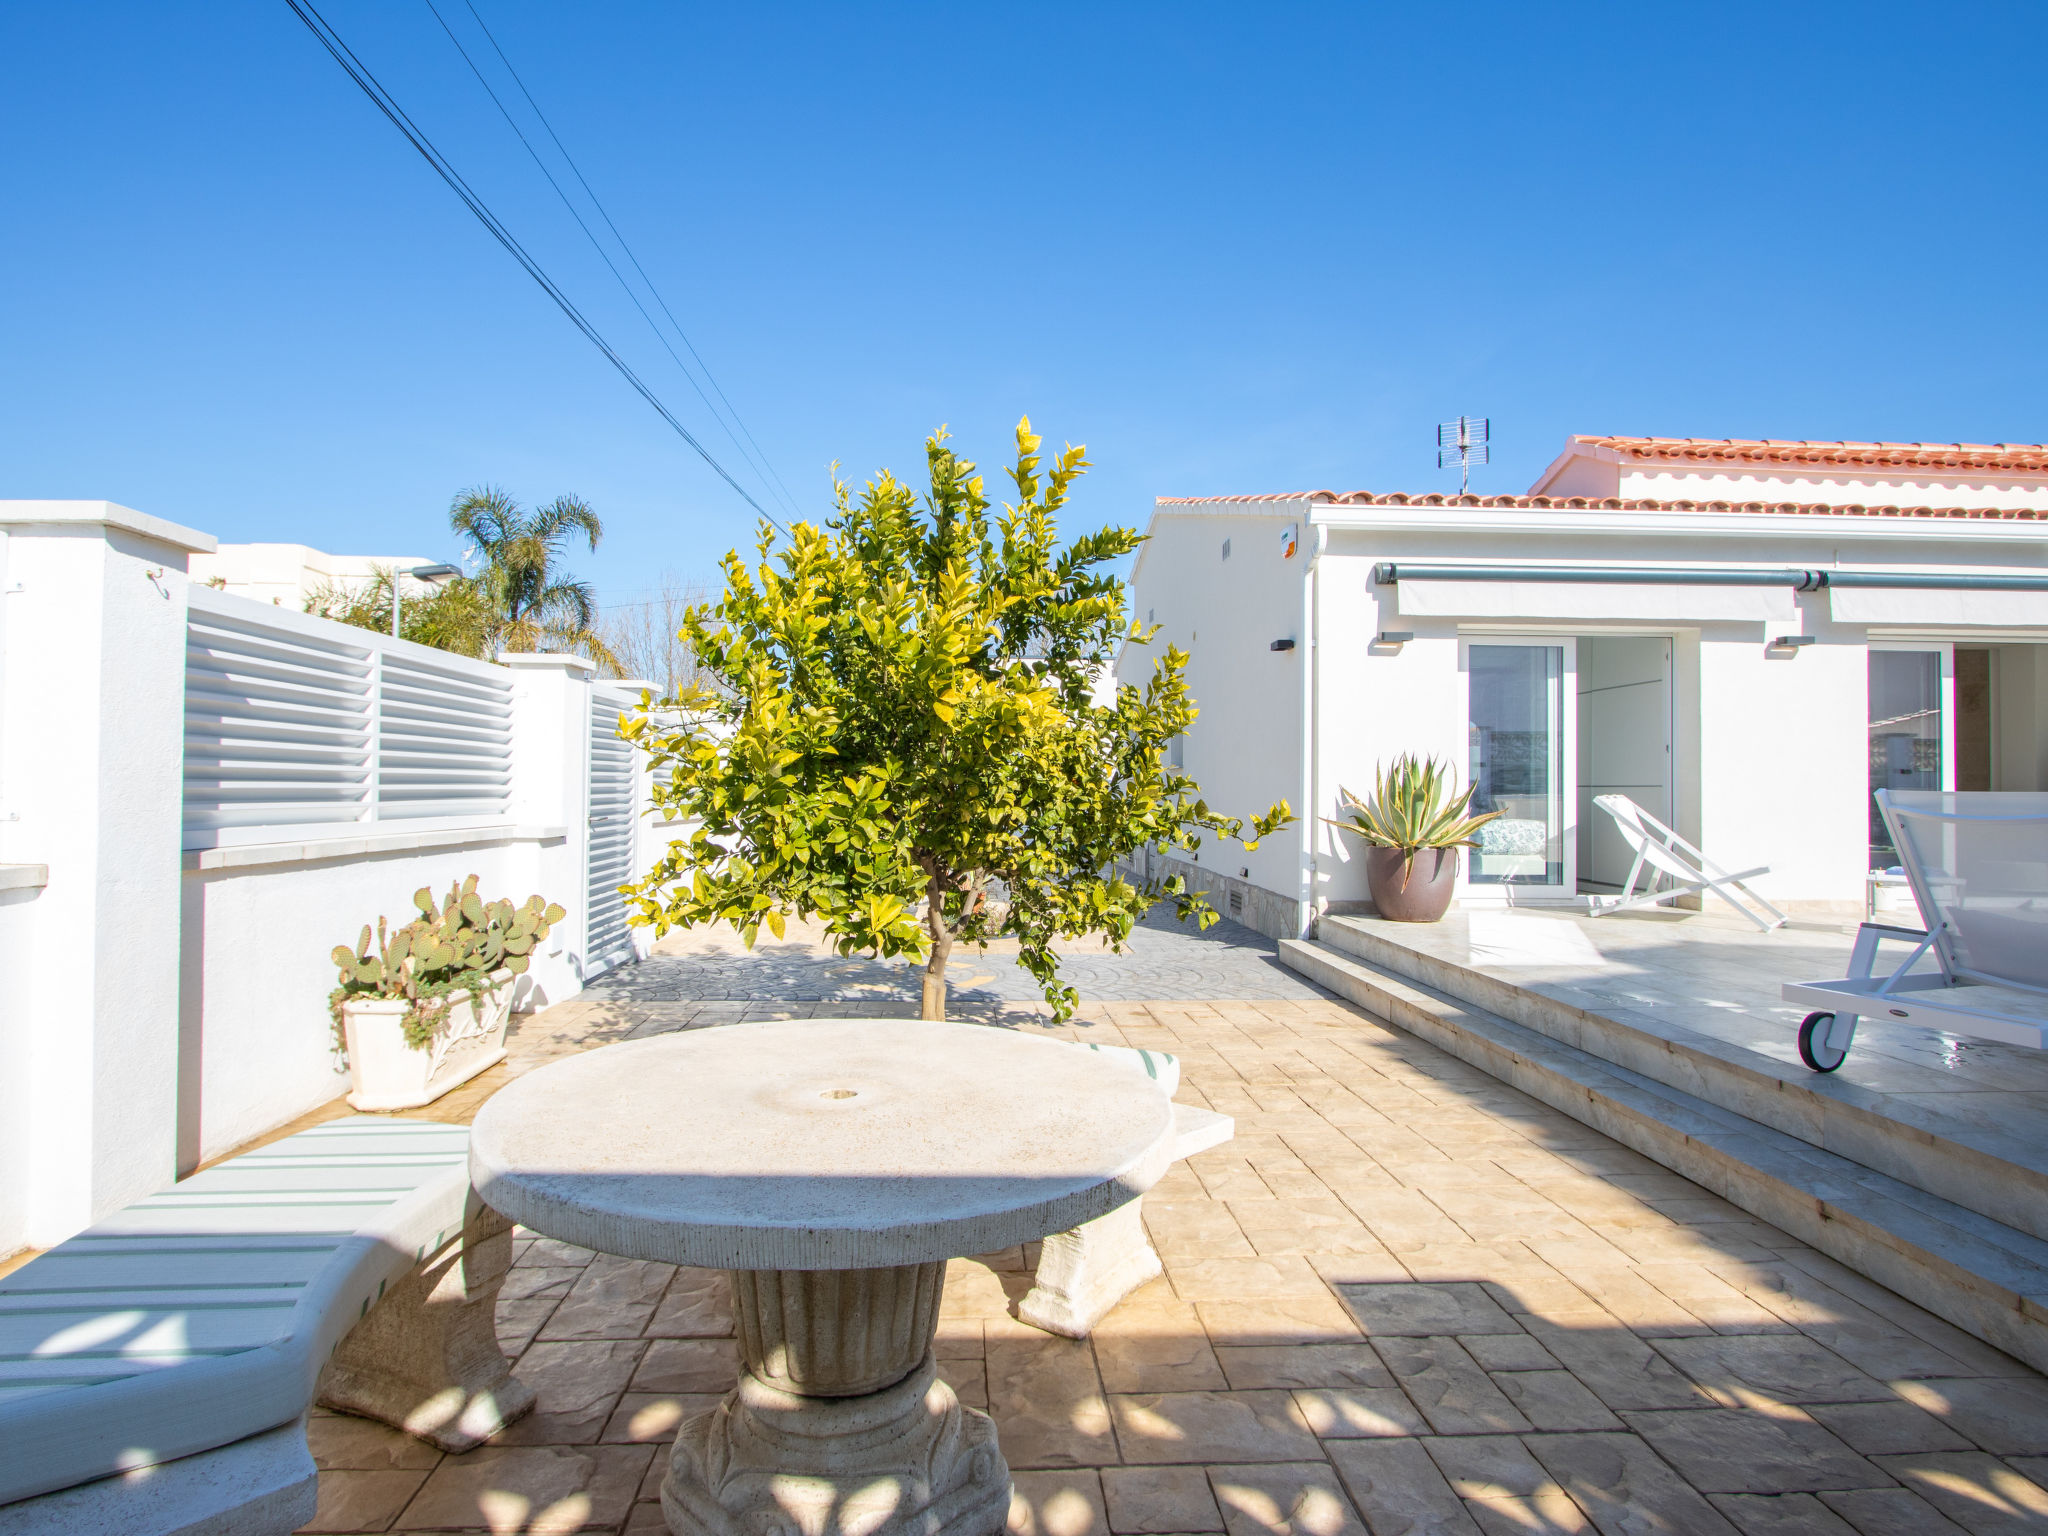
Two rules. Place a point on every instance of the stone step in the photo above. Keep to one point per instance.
(1978, 1273)
(1925, 1145)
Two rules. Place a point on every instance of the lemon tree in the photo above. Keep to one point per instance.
(899, 732)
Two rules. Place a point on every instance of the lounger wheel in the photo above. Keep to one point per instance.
(1814, 1049)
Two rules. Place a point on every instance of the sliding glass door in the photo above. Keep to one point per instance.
(1517, 705)
(1912, 693)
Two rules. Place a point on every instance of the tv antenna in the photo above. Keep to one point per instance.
(1464, 443)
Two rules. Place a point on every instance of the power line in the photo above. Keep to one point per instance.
(685, 601)
(755, 459)
(388, 105)
(605, 214)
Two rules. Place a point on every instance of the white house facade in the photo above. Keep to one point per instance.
(286, 575)
(1745, 637)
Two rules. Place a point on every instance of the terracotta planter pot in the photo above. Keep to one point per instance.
(386, 1073)
(1427, 894)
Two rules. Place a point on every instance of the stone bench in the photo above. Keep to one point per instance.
(156, 1369)
(1084, 1273)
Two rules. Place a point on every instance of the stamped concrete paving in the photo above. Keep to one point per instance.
(1406, 1299)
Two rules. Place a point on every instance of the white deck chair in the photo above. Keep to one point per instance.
(1661, 851)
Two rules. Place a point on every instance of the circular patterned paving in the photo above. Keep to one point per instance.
(1164, 961)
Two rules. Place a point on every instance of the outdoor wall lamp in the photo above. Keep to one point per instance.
(1789, 643)
(1281, 645)
(1394, 637)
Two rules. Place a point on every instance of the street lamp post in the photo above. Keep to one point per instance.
(418, 573)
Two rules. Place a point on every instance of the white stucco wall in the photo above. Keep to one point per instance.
(1871, 486)
(21, 885)
(256, 1036)
(91, 750)
(1244, 748)
(18, 923)
(1590, 470)
(1580, 474)
(1373, 704)
(287, 574)
(1783, 759)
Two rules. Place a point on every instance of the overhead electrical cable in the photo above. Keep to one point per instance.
(388, 105)
(753, 462)
(605, 214)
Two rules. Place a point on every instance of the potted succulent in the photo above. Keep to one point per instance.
(1413, 826)
(423, 1008)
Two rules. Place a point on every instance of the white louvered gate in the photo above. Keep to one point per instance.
(296, 727)
(607, 939)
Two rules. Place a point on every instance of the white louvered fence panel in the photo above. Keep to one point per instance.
(607, 939)
(445, 738)
(279, 724)
(298, 727)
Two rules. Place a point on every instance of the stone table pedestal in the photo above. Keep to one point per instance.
(833, 1166)
(840, 1421)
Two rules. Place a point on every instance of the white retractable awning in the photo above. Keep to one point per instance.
(1652, 601)
(1941, 609)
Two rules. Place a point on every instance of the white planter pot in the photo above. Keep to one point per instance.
(387, 1073)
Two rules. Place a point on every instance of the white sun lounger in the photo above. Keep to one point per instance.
(1660, 851)
(1978, 865)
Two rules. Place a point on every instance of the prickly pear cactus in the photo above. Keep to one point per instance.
(451, 950)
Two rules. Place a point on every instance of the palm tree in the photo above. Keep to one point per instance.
(533, 603)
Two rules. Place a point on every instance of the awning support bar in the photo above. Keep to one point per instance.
(1390, 573)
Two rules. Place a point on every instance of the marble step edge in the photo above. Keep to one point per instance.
(1926, 1154)
(1968, 1269)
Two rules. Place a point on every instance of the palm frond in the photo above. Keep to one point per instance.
(563, 516)
(486, 516)
(570, 602)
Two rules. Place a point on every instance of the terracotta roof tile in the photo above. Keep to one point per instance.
(1994, 457)
(1611, 504)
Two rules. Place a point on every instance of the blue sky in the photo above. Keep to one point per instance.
(1239, 248)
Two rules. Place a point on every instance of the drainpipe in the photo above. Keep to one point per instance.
(1318, 537)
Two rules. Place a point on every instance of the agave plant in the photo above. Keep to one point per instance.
(1414, 805)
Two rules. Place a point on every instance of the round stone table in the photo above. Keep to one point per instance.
(834, 1166)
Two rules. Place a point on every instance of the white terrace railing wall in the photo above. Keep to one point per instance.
(200, 796)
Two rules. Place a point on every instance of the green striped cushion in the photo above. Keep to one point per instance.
(1157, 1065)
(202, 1314)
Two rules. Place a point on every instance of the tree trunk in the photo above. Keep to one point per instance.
(933, 1004)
